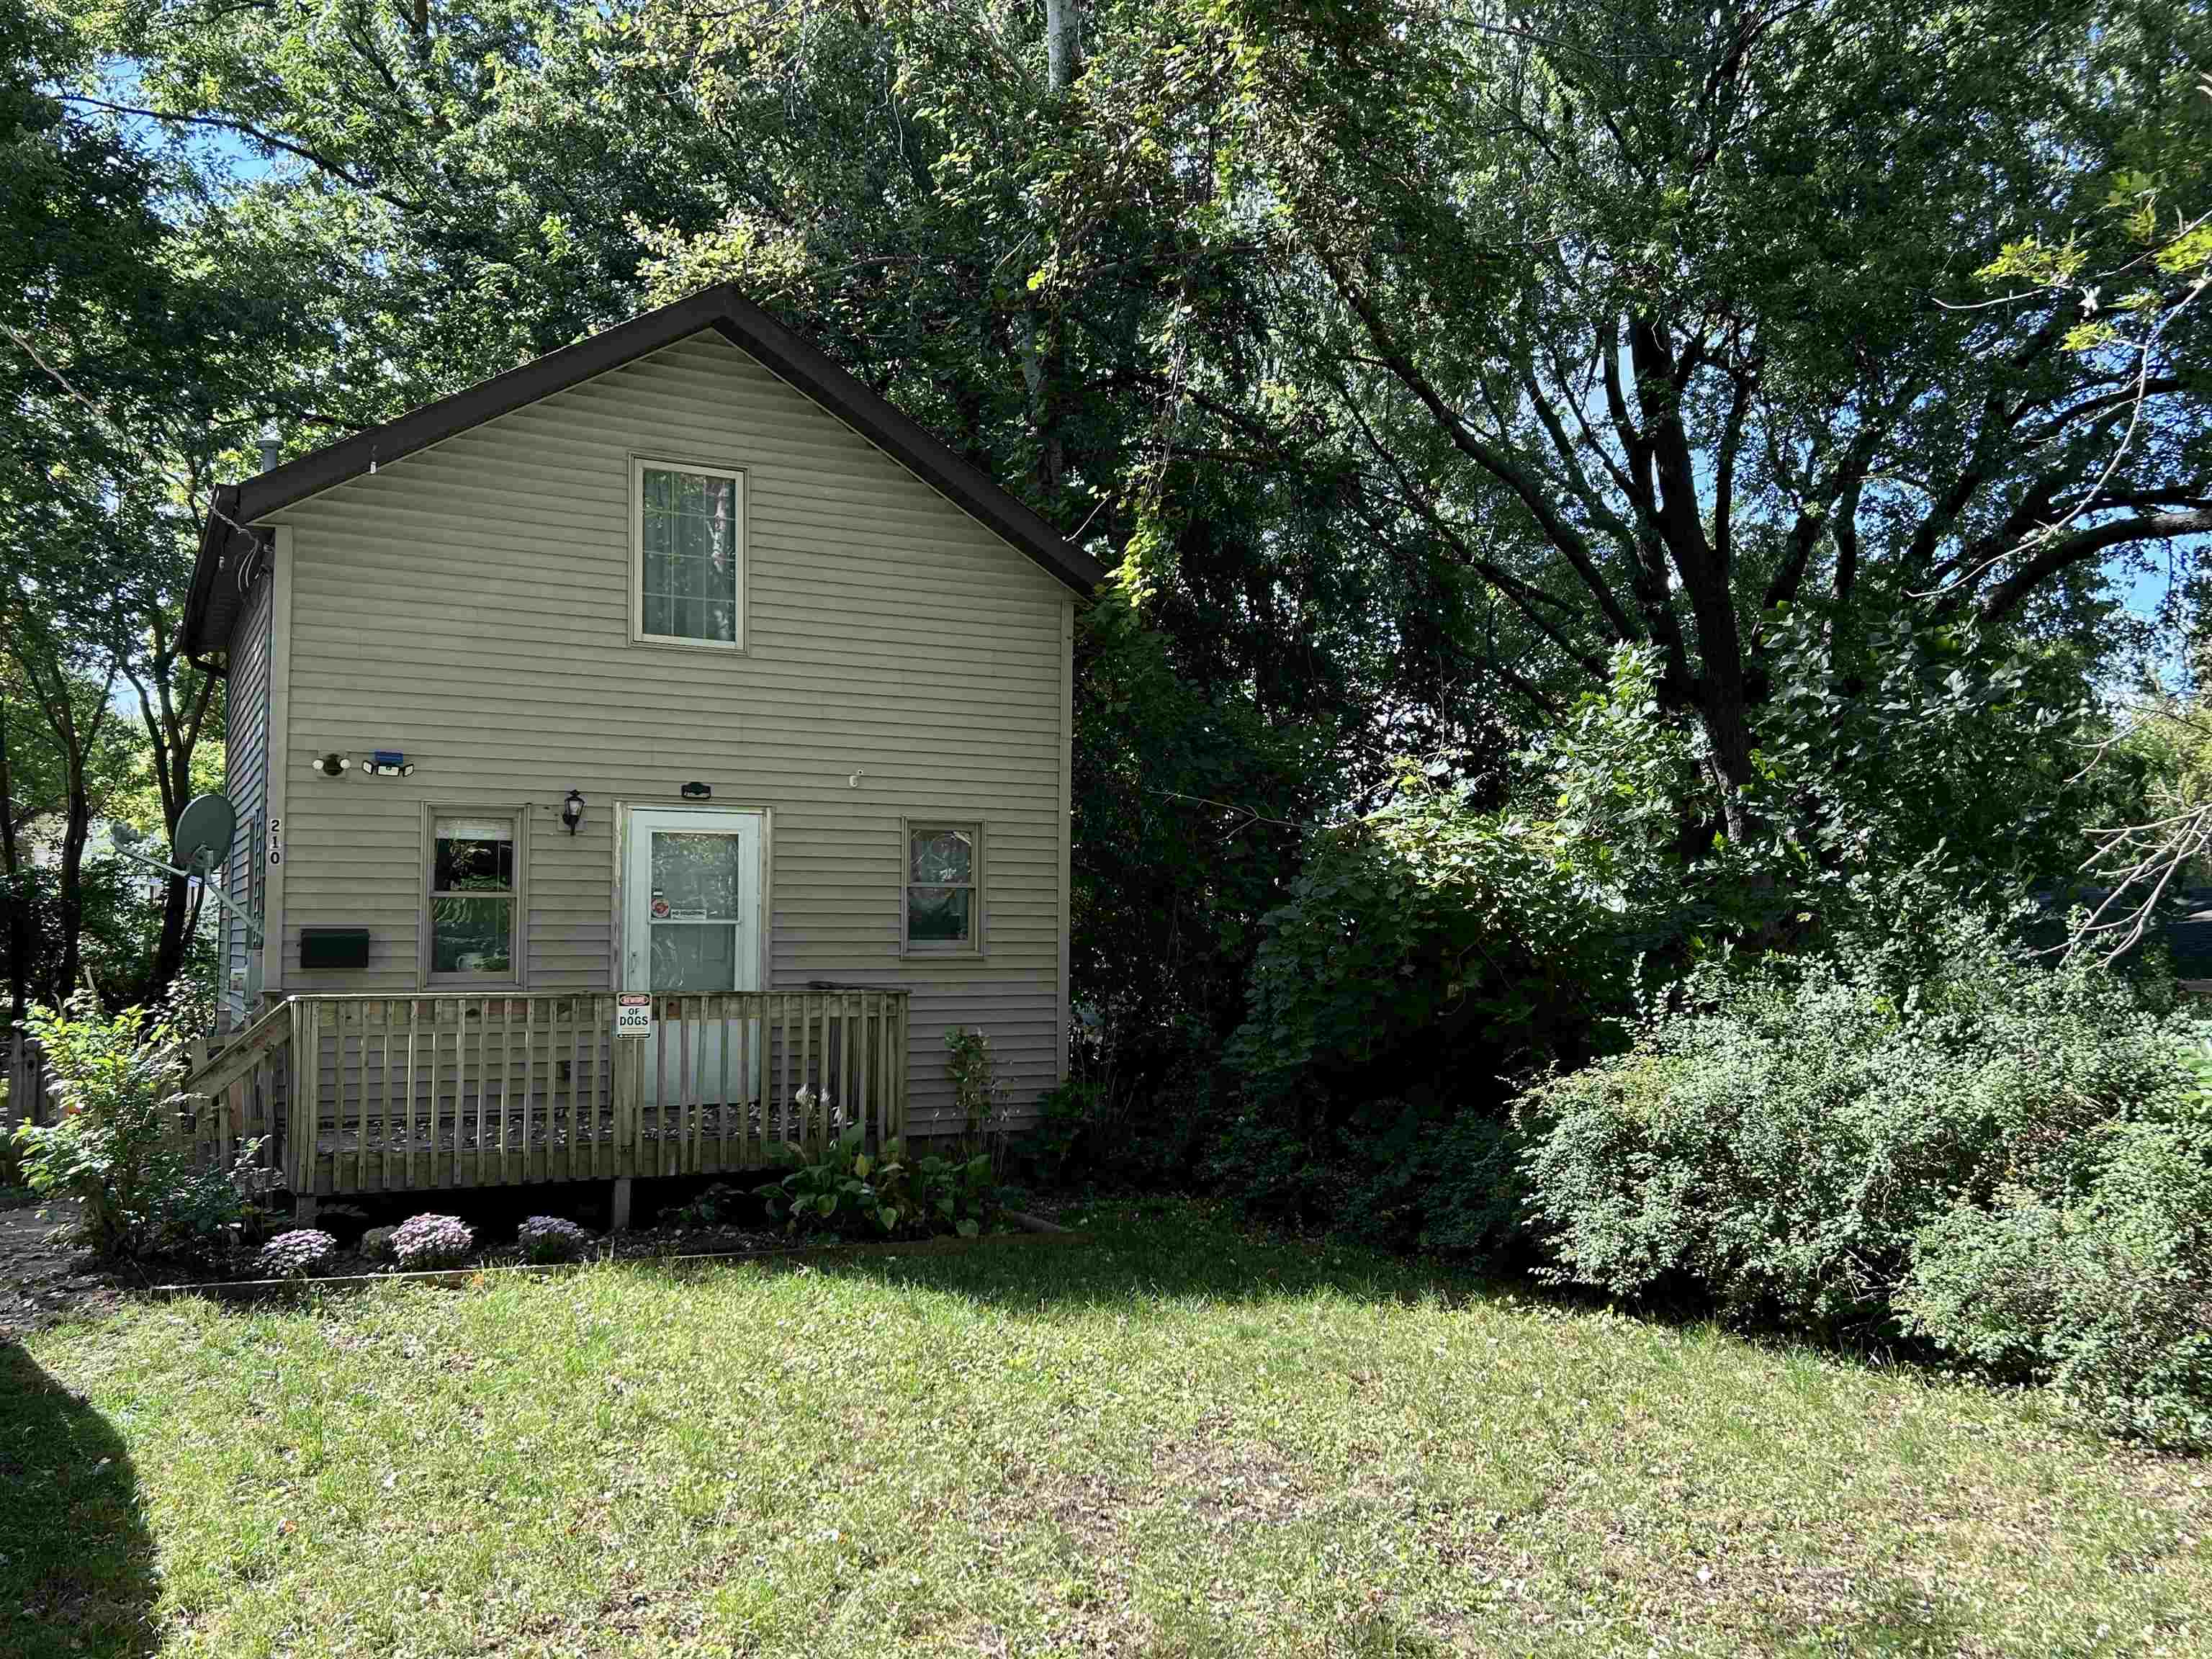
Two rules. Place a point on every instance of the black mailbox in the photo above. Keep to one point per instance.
(333, 947)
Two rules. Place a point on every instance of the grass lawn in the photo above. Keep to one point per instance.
(1177, 1440)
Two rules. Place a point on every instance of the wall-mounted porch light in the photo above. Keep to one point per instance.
(572, 812)
(697, 791)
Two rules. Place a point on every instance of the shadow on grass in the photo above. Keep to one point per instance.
(1146, 1253)
(76, 1562)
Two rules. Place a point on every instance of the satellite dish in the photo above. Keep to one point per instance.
(205, 830)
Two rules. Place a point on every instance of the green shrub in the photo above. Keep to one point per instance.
(718, 1203)
(2104, 1294)
(977, 1094)
(115, 1148)
(1782, 1152)
(1101, 1129)
(851, 1191)
(1429, 946)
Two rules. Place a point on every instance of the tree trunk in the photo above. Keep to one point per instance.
(1063, 44)
(75, 834)
(18, 923)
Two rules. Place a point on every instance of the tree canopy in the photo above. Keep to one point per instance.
(1409, 363)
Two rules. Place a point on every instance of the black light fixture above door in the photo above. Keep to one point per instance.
(698, 792)
(572, 812)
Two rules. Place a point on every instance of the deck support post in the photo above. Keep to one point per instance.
(303, 1209)
(618, 1214)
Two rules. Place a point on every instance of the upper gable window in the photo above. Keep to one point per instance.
(687, 553)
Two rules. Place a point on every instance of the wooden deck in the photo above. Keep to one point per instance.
(365, 1094)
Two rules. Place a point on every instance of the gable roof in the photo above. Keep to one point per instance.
(212, 606)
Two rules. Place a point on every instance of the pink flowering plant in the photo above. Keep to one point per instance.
(547, 1238)
(300, 1254)
(432, 1240)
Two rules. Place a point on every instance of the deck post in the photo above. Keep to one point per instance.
(618, 1209)
(303, 1209)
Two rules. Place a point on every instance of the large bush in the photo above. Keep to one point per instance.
(1424, 941)
(2104, 1291)
(1783, 1152)
(115, 1149)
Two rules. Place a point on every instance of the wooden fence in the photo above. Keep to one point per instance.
(28, 1099)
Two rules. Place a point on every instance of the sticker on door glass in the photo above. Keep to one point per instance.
(634, 1014)
(660, 906)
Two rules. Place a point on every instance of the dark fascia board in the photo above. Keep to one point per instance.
(227, 535)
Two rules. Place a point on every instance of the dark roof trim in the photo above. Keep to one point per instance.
(224, 536)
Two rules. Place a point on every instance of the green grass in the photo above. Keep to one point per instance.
(1178, 1440)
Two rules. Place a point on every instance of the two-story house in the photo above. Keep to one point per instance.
(675, 663)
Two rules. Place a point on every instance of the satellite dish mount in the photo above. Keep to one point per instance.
(205, 829)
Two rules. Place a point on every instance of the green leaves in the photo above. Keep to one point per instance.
(849, 1191)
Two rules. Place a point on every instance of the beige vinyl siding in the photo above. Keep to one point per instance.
(470, 606)
(244, 762)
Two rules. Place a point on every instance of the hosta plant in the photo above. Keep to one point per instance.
(852, 1191)
(300, 1254)
(546, 1239)
(432, 1240)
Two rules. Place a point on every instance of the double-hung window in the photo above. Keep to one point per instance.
(943, 900)
(473, 908)
(687, 553)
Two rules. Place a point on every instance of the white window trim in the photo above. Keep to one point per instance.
(519, 932)
(710, 469)
(933, 949)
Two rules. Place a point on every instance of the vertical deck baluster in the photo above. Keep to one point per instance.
(845, 1103)
(700, 1025)
(371, 1171)
(728, 1028)
(430, 1150)
(529, 1084)
(882, 1063)
(555, 1066)
(506, 1079)
(601, 1146)
(571, 1060)
(748, 1058)
(671, 1158)
(385, 1090)
(783, 1101)
(366, 1171)
(805, 1072)
(411, 1011)
(360, 1101)
(483, 1082)
(659, 1085)
(823, 1089)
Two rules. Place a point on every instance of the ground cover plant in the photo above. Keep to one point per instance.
(1174, 1438)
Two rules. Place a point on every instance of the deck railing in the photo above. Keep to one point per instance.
(349, 1094)
(236, 1095)
(453, 1090)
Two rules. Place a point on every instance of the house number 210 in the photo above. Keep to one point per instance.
(276, 840)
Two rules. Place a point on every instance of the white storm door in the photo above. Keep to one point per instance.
(692, 922)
